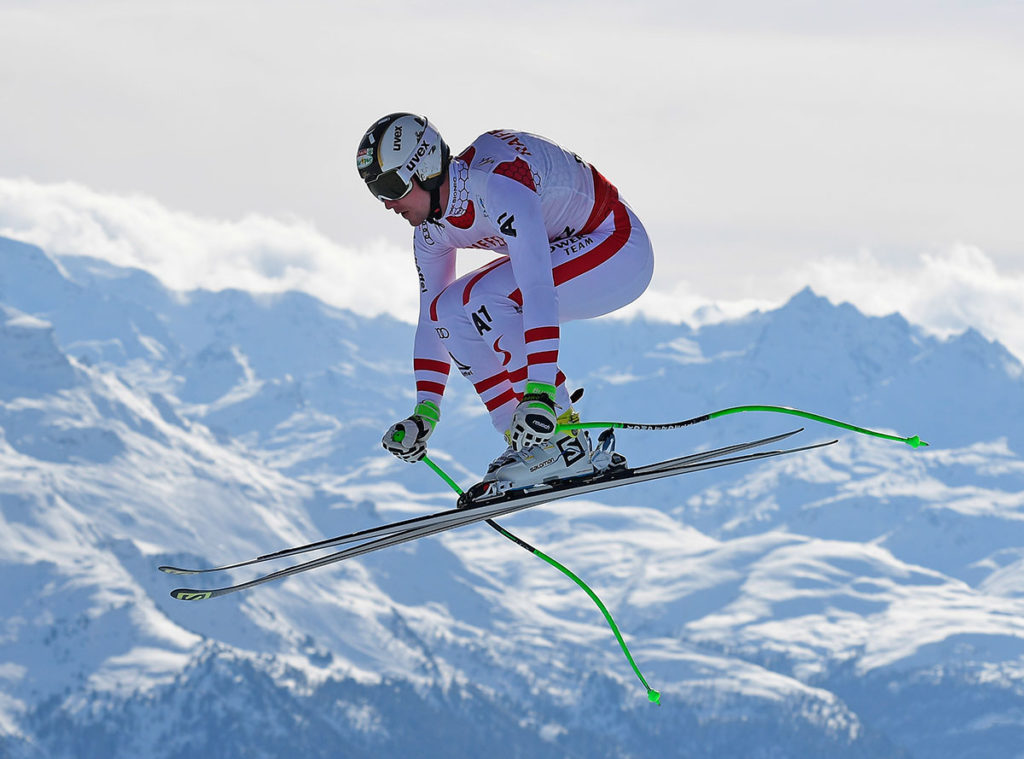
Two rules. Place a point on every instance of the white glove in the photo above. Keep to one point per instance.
(534, 420)
(407, 439)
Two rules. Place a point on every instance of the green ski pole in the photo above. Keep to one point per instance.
(913, 442)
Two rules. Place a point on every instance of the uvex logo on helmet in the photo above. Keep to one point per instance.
(397, 142)
(421, 151)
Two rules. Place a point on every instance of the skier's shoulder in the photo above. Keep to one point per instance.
(502, 152)
(500, 147)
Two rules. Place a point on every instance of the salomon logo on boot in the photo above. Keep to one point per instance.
(572, 450)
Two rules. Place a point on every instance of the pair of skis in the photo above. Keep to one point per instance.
(480, 509)
(479, 504)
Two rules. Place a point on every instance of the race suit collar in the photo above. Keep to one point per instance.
(458, 188)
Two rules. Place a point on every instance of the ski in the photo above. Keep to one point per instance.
(399, 526)
(505, 504)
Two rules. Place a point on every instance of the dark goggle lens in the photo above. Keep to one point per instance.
(389, 186)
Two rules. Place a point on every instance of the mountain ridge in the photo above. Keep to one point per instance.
(782, 609)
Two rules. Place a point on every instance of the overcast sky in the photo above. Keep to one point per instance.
(871, 148)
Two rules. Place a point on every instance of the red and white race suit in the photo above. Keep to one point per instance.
(570, 249)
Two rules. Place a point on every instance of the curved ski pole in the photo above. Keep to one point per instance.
(913, 442)
(652, 695)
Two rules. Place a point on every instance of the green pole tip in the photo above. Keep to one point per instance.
(653, 696)
(915, 442)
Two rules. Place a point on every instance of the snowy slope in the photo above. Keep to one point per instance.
(838, 603)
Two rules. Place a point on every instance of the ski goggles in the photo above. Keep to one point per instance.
(389, 185)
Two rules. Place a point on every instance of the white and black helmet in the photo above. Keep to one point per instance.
(397, 148)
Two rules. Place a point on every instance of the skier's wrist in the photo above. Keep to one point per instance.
(541, 393)
(429, 412)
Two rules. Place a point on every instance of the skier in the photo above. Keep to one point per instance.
(570, 249)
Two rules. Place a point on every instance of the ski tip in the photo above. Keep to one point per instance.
(653, 696)
(176, 570)
(915, 442)
(187, 594)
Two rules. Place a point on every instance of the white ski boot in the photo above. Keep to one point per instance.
(565, 456)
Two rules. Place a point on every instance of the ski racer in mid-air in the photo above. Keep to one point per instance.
(570, 248)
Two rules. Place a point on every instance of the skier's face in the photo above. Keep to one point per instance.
(414, 207)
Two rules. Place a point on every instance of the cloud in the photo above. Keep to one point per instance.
(186, 251)
(743, 127)
(944, 292)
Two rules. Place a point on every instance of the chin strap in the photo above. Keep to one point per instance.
(435, 204)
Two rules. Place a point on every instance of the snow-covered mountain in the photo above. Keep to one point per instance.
(865, 600)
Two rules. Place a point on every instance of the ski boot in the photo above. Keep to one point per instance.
(567, 455)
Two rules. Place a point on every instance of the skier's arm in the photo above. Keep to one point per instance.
(407, 439)
(515, 210)
(435, 264)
